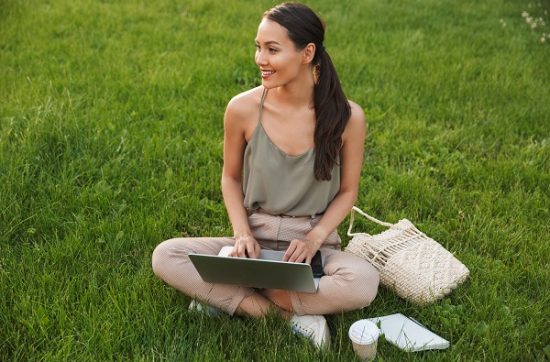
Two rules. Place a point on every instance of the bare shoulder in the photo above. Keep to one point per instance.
(244, 105)
(356, 124)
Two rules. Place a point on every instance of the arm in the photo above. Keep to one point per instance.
(353, 140)
(231, 182)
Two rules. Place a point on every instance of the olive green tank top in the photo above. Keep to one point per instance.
(282, 184)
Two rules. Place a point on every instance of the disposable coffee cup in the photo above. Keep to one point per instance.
(364, 336)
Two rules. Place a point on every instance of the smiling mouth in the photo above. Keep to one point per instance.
(266, 73)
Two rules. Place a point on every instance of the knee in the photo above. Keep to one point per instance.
(159, 257)
(366, 285)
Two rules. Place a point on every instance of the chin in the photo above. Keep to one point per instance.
(269, 85)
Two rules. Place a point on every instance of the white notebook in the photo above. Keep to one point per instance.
(408, 334)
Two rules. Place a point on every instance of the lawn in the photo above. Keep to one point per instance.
(111, 141)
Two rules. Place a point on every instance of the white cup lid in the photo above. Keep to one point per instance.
(364, 332)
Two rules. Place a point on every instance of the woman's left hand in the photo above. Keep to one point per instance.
(301, 250)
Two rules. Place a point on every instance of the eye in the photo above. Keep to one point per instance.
(273, 50)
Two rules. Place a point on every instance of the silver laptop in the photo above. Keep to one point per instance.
(268, 271)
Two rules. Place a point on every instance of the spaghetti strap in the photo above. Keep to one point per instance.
(262, 105)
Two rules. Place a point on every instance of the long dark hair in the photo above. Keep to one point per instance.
(332, 110)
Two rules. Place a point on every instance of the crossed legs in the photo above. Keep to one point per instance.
(350, 282)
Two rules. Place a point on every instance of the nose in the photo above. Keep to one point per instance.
(261, 59)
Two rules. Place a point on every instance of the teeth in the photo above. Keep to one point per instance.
(267, 72)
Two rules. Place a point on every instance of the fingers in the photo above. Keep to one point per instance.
(297, 252)
(299, 257)
(289, 251)
(245, 247)
(237, 251)
(252, 249)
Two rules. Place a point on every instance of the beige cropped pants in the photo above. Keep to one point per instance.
(349, 282)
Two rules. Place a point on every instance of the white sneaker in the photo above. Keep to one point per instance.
(313, 327)
(208, 310)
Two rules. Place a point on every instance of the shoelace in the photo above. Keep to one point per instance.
(301, 329)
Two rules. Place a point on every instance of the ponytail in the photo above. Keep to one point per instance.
(332, 113)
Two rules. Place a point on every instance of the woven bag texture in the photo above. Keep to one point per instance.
(410, 263)
(424, 272)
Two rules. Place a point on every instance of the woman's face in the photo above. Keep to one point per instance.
(276, 55)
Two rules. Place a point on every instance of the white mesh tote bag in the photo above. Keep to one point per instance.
(410, 263)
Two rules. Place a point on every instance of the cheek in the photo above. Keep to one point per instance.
(284, 62)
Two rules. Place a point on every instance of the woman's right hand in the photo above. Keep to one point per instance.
(245, 246)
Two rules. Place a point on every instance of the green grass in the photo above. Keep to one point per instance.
(111, 141)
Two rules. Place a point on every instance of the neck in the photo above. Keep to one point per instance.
(298, 93)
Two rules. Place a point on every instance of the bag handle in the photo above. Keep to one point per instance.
(373, 219)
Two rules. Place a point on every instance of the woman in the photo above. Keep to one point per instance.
(293, 149)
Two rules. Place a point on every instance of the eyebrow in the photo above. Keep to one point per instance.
(269, 42)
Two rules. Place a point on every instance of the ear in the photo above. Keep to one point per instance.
(309, 53)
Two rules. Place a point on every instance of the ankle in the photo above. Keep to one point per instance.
(280, 298)
(254, 305)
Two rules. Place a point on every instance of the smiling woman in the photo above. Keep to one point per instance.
(293, 148)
